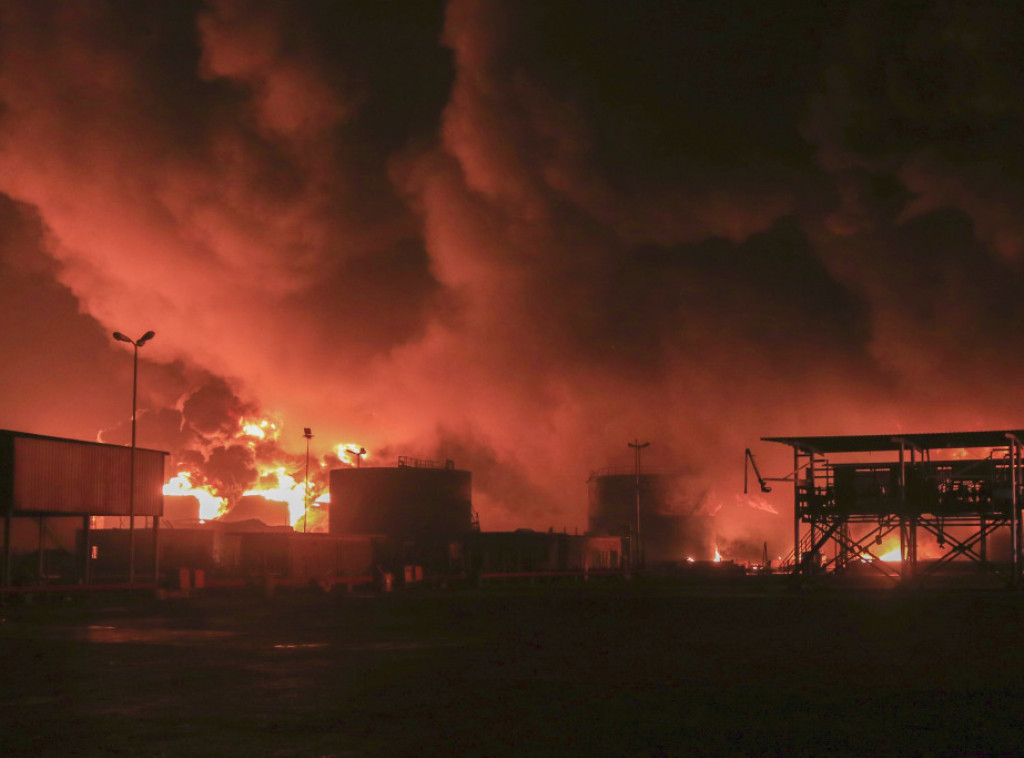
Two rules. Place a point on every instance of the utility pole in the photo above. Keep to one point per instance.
(308, 434)
(638, 446)
(131, 475)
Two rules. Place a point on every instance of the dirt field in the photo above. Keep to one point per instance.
(631, 668)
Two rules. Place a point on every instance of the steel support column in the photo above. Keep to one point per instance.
(7, 549)
(796, 510)
(86, 548)
(983, 546)
(1014, 512)
(156, 549)
(814, 562)
(906, 558)
(42, 540)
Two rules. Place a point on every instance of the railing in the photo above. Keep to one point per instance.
(405, 461)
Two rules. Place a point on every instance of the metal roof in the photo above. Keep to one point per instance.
(864, 443)
(10, 434)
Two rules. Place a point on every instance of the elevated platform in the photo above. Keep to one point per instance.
(854, 494)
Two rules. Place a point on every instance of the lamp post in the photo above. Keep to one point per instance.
(131, 476)
(638, 446)
(308, 434)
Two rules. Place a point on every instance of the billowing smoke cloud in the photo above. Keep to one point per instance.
(514, 234)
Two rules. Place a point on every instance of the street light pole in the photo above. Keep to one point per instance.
(638, 446)
(131, 475)
(308, 434)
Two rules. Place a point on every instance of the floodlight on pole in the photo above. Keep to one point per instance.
(308, 434)
(136, 344)
(638, 446)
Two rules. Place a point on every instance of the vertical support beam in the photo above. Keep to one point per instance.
(902, 498)
(983, 542)
(796, 509)
(1015, 511)
(1019, 507)
(913, 517)
(813, 567)
(7, 548)
(156, 549)
(86, 548)
(913, 545)
(42, 552)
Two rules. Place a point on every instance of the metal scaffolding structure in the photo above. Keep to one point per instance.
(852, 493)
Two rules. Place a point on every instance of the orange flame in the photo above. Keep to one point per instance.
(284, 489)
(258, 428)
(350, 453)
(274, 482)
(210, 506)
(893, 555)
(253, 430)
(890, 552)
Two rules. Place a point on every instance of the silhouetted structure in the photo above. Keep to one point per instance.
(846, 505)
(424, 508)
(58, 485)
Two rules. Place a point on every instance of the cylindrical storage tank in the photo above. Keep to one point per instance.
(670, 524)
(427, 505)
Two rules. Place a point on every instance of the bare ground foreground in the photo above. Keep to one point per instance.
(627, 668)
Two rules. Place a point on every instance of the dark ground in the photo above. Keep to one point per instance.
(630, 668)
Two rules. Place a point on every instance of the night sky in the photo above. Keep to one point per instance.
(515, 234)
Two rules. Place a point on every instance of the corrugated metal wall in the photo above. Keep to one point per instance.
(53, 475)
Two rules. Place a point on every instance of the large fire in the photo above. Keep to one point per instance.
(892, 555)
(889, 552)
(259, 428)
(352, 454)
(280, 477)
(210, 506)
(280, 486)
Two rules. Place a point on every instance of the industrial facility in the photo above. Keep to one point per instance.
(941, 498)
(421, 510)
(79, 515)
(86, 514)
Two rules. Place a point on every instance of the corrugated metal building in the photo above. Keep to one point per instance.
(53, 486)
